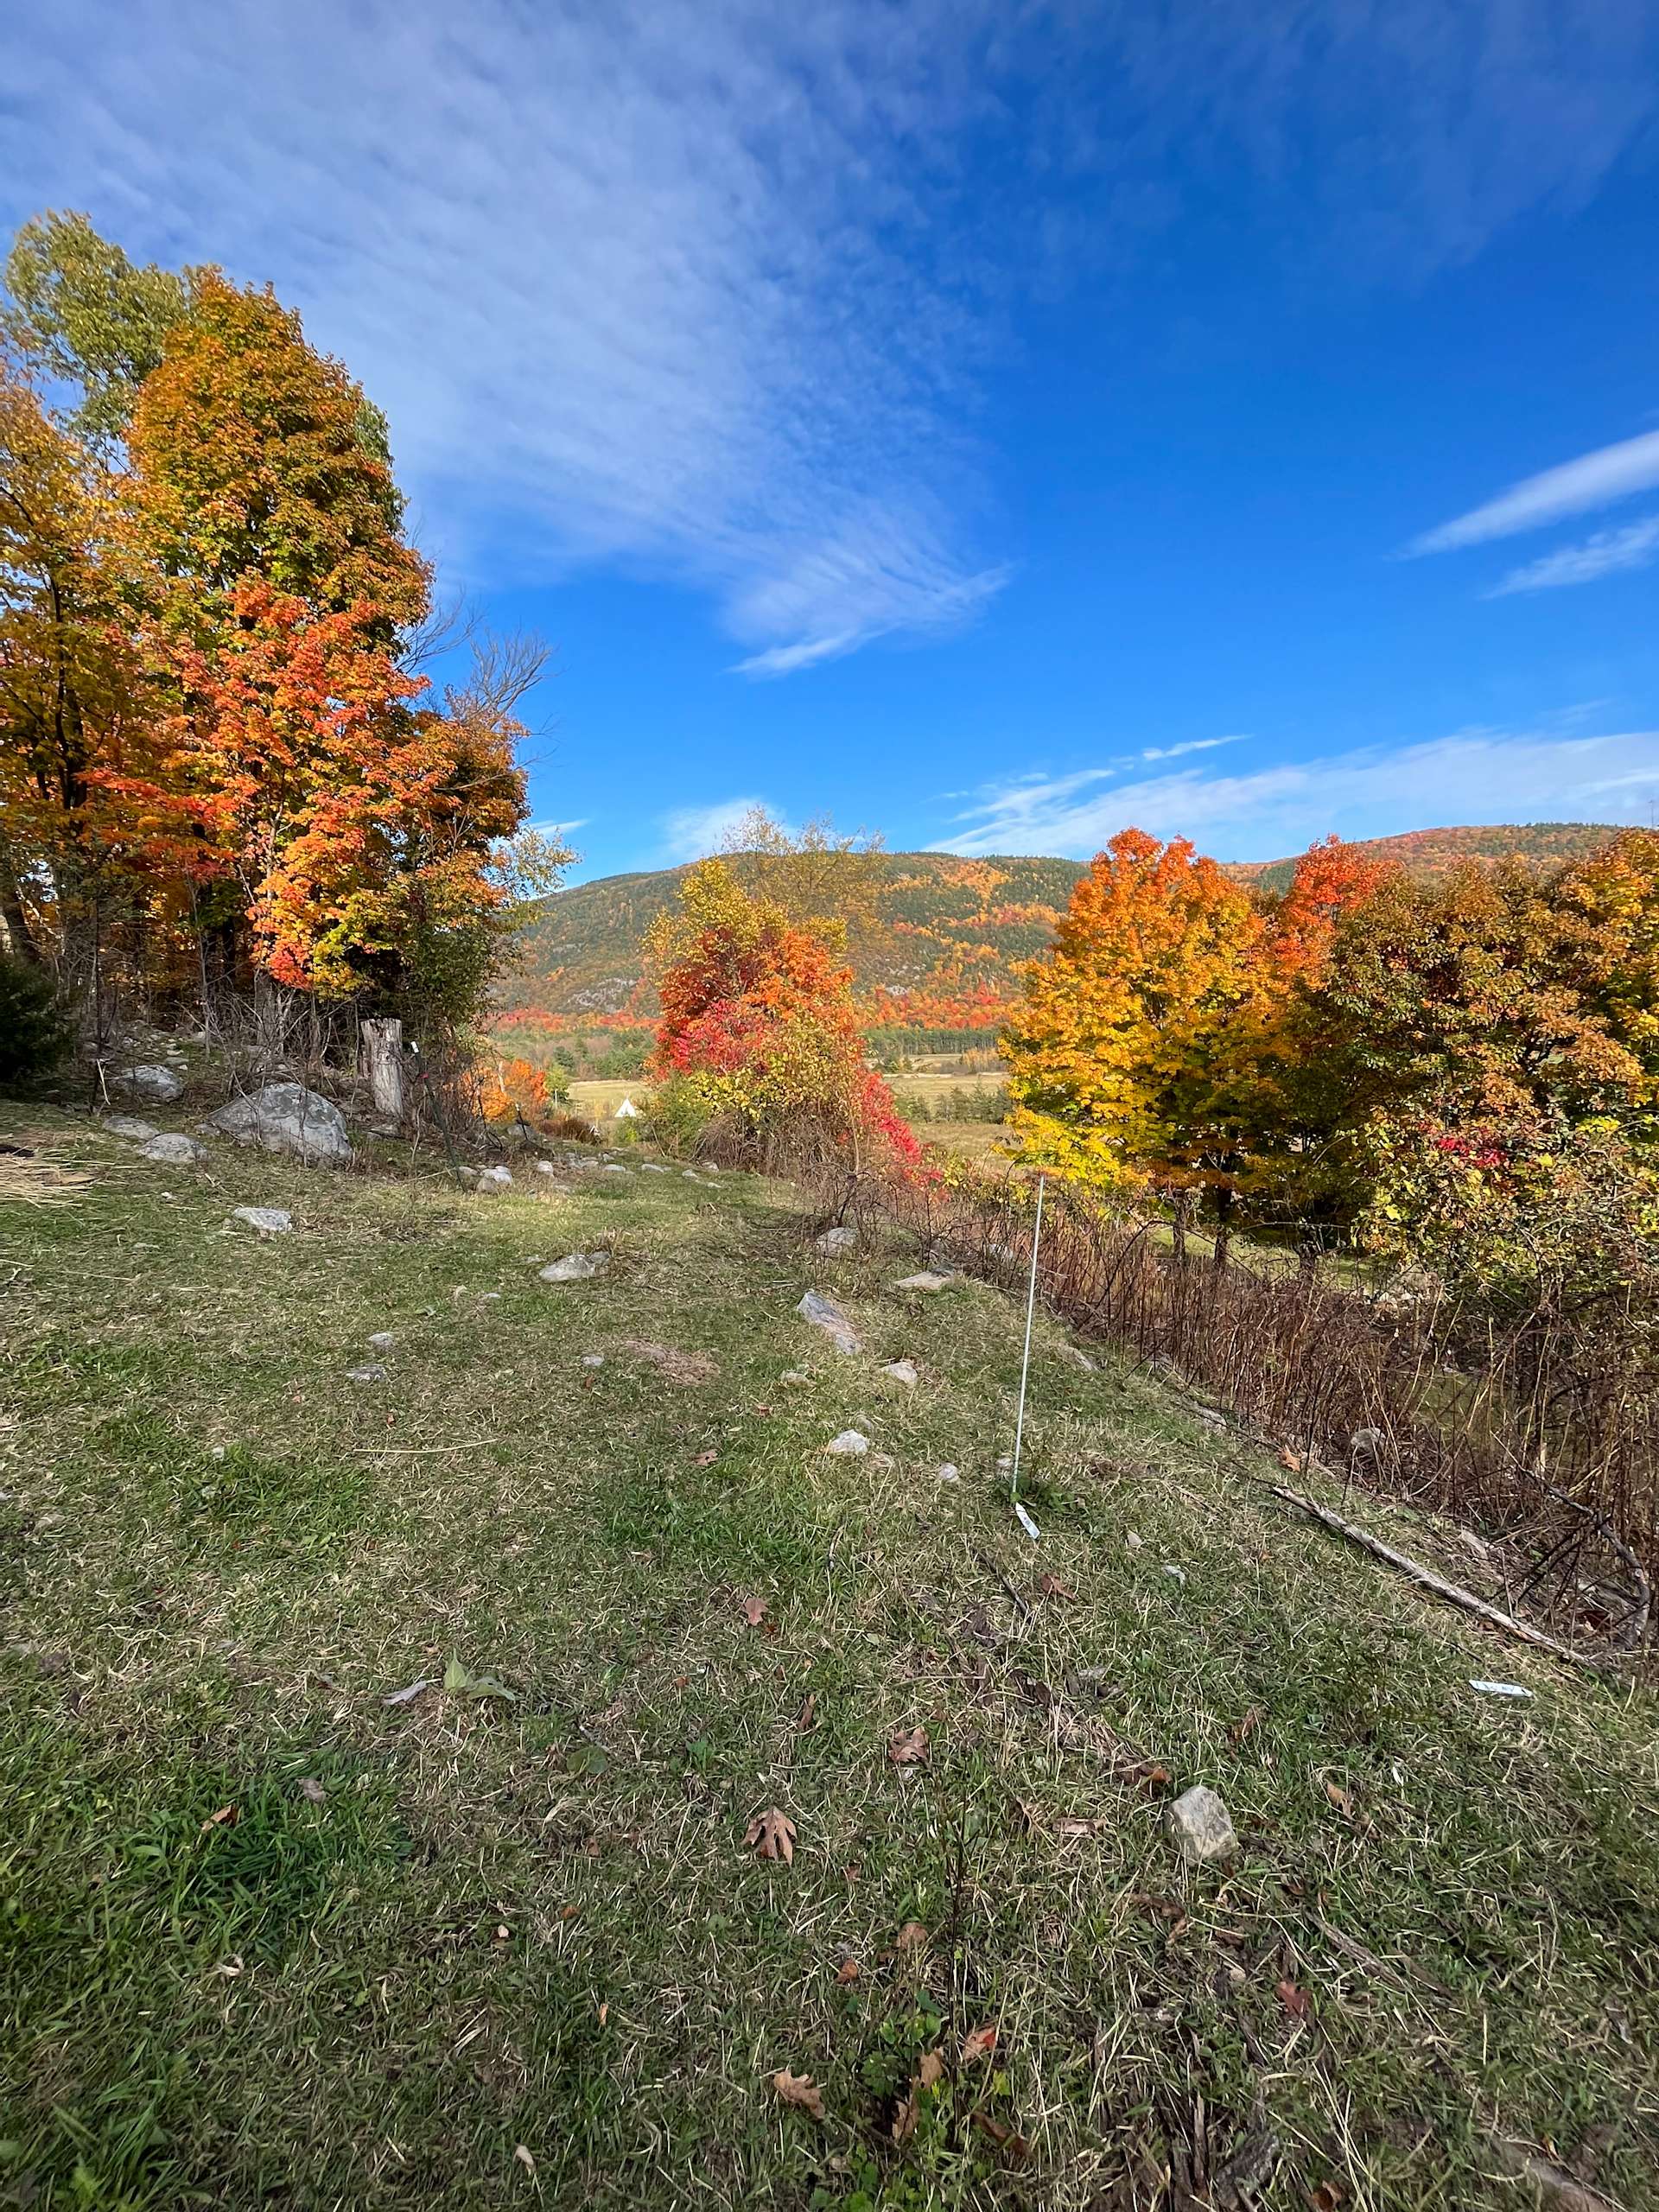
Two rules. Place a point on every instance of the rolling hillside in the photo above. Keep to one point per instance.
(952, 934)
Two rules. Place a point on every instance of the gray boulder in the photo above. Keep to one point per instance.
(902, 1371)
(148, 1081)
(270, 1221)
(840, 1239)
(125, 1125)
(823, 1314)
(926, 1280)
(287, 1117)
(175, 1150)
(494, 1179)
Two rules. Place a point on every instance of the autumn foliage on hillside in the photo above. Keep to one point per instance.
(1463, 1071)
(223, 772)
(758, 1025)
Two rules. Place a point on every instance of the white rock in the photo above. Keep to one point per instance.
(947, 1473)
(839, 1239)
(794, 1374)
(650, 1167)
(903, 1370)
(850, 1445)
(174, 1150)
(287, 1117)
(690, 1175)
(926, 1280)
(1500, 1689)
(125, 1125)
(1202, 1825)
(494, 1179)
(270, 1221)
(711, 1168)
(611, 1168)
(593, 1359)
(545, 1167)
(382, 1340)
(147, 1080)
(365, 1375)
(823, 1314)
(1132, 1540)
(576, 1266)
(1078, 1358)
(1177, 1574)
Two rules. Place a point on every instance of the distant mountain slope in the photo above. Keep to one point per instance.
(952, 932)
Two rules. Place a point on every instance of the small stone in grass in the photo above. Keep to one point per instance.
(902, 1371)
(174, 1149)
(948, 1473)
(545, 1167)
(926, 1280)
(365, 1373)
(494, 1179)
(848, 1445)
(270, 1221)
(576, 1266)
(842, 1238)
(1132, 1540)
(823, 1314)
(1201, 1826)
(127, 1125)
(794, 1374)
(382, 1340)
(593, 1359)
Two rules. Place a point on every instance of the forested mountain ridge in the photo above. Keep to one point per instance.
(951, 935)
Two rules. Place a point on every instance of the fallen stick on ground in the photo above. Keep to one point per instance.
(1450, 1590)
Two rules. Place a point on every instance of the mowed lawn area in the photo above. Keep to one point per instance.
(281, 1930)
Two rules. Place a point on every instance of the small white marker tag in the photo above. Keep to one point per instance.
(1499, 1689)
(1027, 1522)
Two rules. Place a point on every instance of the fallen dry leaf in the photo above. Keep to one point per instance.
(772, 1834)
(1327, 2195)
(913, 1936)
(847, 1972)
(521, 2152)
(908, 1747)
(754, 1609)
(1151, 1775)
(707, 1458)
(1294, 1999)
(604, 2014)
(1289, 1460)
(980, 2045)
(1050, 1585)
(806, 1718)
(312, 1790)
(930, 2072)
(1247, 1726)
(799, 2091)
(1340, 1799)
(1074, 1824)
(408, 1696)
(1015, 2146)
(223, 1817)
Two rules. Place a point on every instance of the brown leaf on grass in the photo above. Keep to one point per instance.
(408, 1695)
(807, 1718)
(1050, 1585)
(1014, 2146)
(754, 1610)
(913, 1936)
(798, 2090)
(1294, 1999)
(847, 1973)
(312, 1790)
(1070, 1824)
(1327, 2195)
(525, 2158)
(1341, 1798)
(707, 1458)
(770, 1834)
(1242, 1729)
(1151, 1775)
(1289, 1460)
(930, 2072)
(223, 1817)
(908, 1747)
(980, 2045)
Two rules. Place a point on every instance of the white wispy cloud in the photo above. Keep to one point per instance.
(688, 833)
(1607, 551)
(1473, 776)
(1192, 744)
(1595, 480)
(700, 289)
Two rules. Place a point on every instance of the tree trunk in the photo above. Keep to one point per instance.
(1223, 1225)
(1182, 1208)
(19, 934)
(383, 1063)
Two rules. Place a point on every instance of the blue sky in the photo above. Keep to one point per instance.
(989, 423)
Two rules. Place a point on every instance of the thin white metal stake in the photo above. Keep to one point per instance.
(1025, 1365)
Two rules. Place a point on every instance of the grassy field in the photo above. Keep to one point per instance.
(272, 1940)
